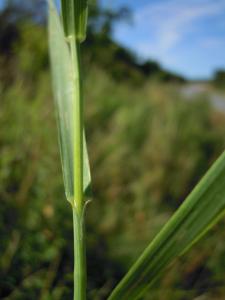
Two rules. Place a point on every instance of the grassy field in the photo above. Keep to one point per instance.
(148, 147)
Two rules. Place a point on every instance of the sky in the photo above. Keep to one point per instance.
(185, 36)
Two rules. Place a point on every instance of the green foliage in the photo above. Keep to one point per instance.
(219, 79)
(175, 145)
(202, 209)
(141, 177)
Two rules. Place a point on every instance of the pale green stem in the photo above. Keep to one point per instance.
(79, 257)
(78, 203)
(78, 126)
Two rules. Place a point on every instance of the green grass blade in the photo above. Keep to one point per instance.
(64, 91)
(198, 213)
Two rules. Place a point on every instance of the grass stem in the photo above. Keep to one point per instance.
(79, 257)
(78, 207)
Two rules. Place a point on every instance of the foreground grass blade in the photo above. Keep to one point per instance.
(198, 213)
(65, 92)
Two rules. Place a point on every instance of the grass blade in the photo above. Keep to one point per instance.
(198, 213)
(64, 91)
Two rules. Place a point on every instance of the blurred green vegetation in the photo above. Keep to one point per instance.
(148, 147)
(219, 79)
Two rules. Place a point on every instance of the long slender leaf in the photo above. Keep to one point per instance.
(64, 91)
(198, 213)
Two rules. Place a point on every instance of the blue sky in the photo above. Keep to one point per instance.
(186, 36)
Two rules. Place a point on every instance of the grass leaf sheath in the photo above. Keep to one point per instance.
(67, 86)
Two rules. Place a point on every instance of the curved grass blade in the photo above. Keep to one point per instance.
(64, 91)
(199, 212)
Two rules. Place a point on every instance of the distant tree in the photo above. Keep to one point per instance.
(16, 25)
(35, 9)
(219, 78)
(150, 67)
(101, 20)
(14, 12)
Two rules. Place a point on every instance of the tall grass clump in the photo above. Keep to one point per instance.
(203, 208)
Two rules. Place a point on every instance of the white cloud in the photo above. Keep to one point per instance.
(168, 22)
